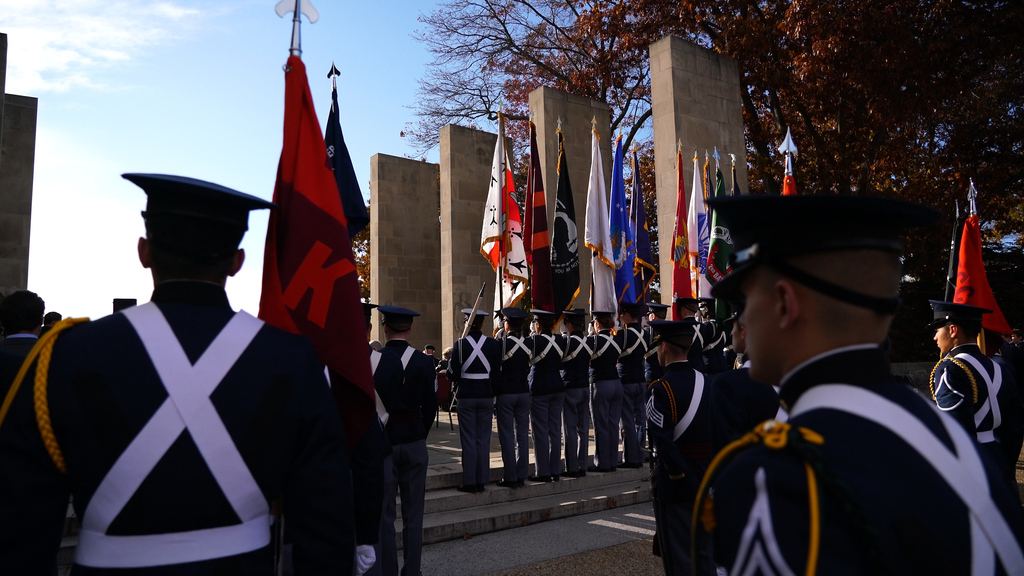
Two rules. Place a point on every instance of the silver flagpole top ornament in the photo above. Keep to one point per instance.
(333, 75)
(297, 7)
(789, 149)
(733, 156)
(716, 157)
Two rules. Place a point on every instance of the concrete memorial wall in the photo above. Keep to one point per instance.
(17, 160)
(696, 100)
(405, 245)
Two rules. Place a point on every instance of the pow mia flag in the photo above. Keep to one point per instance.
(565, 253)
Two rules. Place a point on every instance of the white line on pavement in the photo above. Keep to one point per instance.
(625, 527)
(641, 517)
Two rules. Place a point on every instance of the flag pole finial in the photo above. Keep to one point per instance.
(559, 125)
(679, 146)
(333, 75)
(593, 123)
(733, 156)
(297, 7)
(788, 147)
(716, 156)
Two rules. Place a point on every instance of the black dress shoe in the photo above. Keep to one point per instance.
(631, 465)
(555, 477)
(508, 484)
(520, 483)
(576, 474)
(479, 487)
(596, 469)
(539, 478)
(470, 488)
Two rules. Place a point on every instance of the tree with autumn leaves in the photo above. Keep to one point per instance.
(900, 98)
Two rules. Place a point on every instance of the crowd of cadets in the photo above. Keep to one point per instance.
(849, 471)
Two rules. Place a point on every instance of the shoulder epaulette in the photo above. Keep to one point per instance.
(962, 366)
(41, 351)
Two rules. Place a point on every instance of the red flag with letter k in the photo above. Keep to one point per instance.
(310, 283)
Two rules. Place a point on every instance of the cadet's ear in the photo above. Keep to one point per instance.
(144, 256)
(236, 264)
(787, 305)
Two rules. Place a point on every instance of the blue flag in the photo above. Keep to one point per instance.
(344, 174)
(622, 232)
(643, 268)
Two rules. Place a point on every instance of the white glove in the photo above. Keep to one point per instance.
(365, 558)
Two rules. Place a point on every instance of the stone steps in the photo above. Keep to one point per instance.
(450, 514)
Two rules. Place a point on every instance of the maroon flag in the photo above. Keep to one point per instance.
(535, 233)
(310, 284)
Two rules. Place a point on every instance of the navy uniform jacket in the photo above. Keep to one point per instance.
(918, 524)
(576, 361)
(457, 369)
(103, 389)
(19, 346)
(738, 404)
(631, 361)
(414, 403)
(707, 353)
(652, 368)
(680, 438)
(605, 348)
(515, 366)
(953, 393)
(546, 351)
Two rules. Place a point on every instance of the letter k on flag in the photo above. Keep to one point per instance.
(310, 283)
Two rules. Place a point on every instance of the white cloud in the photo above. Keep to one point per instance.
(59, 45)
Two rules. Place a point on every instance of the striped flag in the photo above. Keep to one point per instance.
(700, 237)
(501, 240)
(535, 232)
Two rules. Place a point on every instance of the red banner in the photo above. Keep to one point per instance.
(535, 233)
(310, 283)
(972, 282)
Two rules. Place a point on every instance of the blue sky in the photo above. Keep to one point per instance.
(190, 88)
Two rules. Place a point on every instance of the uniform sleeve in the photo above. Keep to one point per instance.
(955, 395)
(428, 406)
(368, 483)
(318, 490)
(454, 370)
(33, 493)
(661, 415)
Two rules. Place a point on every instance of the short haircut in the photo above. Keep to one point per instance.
(52, 317)
(22, 311)
(173, 266)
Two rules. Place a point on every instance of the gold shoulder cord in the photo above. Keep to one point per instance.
(962, 366)
(773, 435)
(42, 350)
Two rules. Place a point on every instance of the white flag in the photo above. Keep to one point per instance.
(597, 235)
(699, 237)
(507, 258)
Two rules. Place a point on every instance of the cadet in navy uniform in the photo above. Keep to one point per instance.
(738, 404)
(974, 389)
(866, 477)
(410, 415)
(176, 423)
(677, 414)
(546, 396)
(710, 341)
(387, 380)
(512, 400)
(576, 409)
(474, 366)
(652, 368)
(631, 373)
(606, 391)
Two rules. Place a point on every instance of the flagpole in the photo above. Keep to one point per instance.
(501, 213)
(954, 249)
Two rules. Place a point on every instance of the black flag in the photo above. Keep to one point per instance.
(344, 174)
(565, 254)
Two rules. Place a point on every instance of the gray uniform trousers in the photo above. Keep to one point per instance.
(606, 406)
(514, 435)
(632, 403)
(546, 419)
(407, 473)
(576, 416)
(475, 415)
